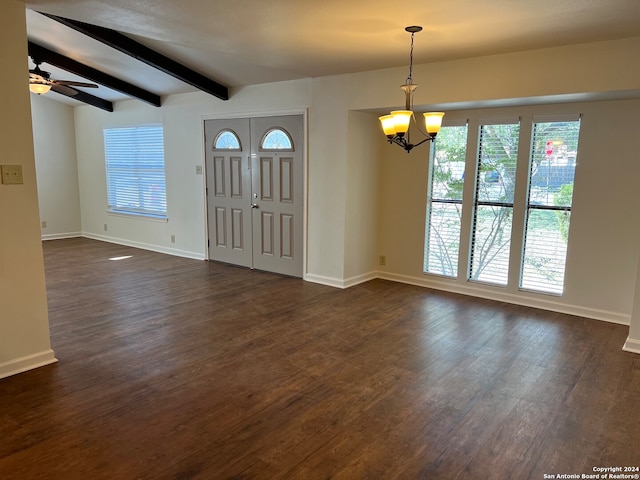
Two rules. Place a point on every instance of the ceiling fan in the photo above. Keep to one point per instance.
(41, 82)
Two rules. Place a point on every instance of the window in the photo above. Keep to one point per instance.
(553, 163)
(493, 204)
(134, 158)
(226, 140)
(444, 206)
(276, 139)
(492, 234)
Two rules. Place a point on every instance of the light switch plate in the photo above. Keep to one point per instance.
(11, 174)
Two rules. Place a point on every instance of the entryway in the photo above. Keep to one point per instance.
(255, 204)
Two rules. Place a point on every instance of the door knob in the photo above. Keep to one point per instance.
(255, 205)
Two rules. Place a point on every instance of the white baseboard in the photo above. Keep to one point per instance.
(632, 345)
(350, 282)
(544, 302)
(341, 283)
(328, 281)
(60, 236)
(146, 246)
(28, 362)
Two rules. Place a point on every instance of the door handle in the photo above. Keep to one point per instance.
(255, 205)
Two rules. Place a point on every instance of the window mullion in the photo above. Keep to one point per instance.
(519, 205)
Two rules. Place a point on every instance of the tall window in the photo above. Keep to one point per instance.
(493, 203)
(134, 159)
(553, 163)
(444, 205)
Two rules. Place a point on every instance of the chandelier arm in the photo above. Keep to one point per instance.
(419, 128)
(403, 142)
(428, 139)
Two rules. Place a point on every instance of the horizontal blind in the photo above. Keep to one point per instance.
(444, 205)
(553, 161)
(134, 158)
(493, 212)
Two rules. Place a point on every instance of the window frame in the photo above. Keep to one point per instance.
(530, 207)
(478, 203)
(519, 213)
(222, 132)
(442, 201)
(277, 130)
(147, 195)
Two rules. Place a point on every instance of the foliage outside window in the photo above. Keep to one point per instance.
(444, 206)
(553, 163)
(134, 158)
(542, 231)
(493, 205)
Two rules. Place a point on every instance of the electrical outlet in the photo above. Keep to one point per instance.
(173, 239)
(383, 260)
(44, 224)
(105, 227)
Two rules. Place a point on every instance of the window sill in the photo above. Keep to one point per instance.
(139, 216)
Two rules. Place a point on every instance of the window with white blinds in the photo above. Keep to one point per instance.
(444, 205)
(553, 162)
(134, 158)
(493, 202)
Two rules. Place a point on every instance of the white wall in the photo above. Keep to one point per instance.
(362, 197)
(349, 164)
(328, 126)
(182, 117)
(24, 326)
(604, 237)
(56, 167)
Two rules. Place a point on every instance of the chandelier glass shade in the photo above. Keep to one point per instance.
(396, 125)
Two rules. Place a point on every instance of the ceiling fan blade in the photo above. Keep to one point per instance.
(74, 84)
(64, 90)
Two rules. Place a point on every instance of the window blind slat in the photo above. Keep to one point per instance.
(553, 162)
(444, 205)
(493, 212)
(134, 158)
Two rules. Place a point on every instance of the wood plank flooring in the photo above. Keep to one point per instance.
(171, 368)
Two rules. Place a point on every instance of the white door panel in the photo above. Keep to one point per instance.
(277, 181)
(229, 194)
(255, 195)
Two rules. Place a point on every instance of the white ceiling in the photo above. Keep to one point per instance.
(244, 42)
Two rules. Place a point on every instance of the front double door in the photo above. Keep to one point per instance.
(254, 169)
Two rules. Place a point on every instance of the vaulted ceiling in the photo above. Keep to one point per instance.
(246, 42)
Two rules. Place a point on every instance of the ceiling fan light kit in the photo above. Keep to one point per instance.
(396, 125)
(39, 88)
(40, 82)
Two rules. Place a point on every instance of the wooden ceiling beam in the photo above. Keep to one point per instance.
(84, 97)
(49, 56)
(146, 55)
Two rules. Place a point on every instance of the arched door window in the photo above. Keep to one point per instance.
(276, 139)
(227, 140)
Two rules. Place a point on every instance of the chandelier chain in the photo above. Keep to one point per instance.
(410, 77)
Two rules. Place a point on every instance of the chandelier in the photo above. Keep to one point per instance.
(396, 125)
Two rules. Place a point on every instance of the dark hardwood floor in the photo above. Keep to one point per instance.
(171, 368)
